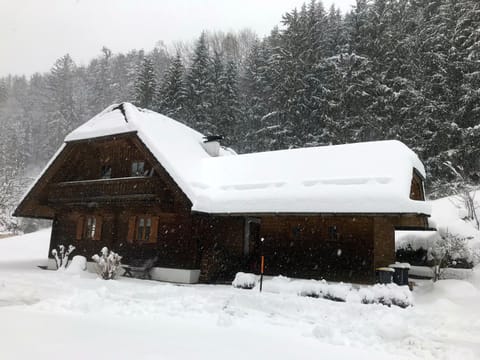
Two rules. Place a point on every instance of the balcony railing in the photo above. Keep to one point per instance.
(106, 190)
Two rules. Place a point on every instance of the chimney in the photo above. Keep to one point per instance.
(211, 144)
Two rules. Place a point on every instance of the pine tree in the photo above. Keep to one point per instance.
(171, 97)
(228, 118)
(199, 89)
(62, 115)
(145, 84)
(3, 92)
(255, 89)
(101, 79)
(356, 22)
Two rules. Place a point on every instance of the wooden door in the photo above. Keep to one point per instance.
(252, 243)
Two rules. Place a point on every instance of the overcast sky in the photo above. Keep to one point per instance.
(34, 33)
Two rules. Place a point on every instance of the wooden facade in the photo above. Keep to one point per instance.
(112, 192)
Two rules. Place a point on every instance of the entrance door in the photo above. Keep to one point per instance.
(251, 245)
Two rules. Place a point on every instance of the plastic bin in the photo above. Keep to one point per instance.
(400, 276)
(384, 275)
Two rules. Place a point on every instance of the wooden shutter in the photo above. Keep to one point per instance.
(154, 230)
(98, 228)
(79, 232)
(131, 229)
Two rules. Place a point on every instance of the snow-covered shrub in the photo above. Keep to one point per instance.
(321, 289)
(245, 280)
(107, 263)
(446, 250)
(77, 265)
(313, 288)
(386, 294)
(61, 255)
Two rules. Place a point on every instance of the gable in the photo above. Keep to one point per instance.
(417, 190)
(88, 158)
(78, 171)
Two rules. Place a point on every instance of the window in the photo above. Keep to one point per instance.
(89, 227)
(332, 233)
(138, 168)
(106, 172)
(144, 226)
(143, 229)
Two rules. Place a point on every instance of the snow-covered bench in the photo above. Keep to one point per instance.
(141, 267)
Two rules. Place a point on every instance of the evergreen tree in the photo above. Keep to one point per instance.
(199, 89)
(228, 120)
(145, 84)
(171, 97)
(3, 92)
(255, 88)
(101, 79)
(62, 115)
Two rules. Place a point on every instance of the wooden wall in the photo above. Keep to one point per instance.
(295, 246)
(220, 246)
(384, 235)
(308, 246)
(301, 246)
(173, 245)
(87, 158)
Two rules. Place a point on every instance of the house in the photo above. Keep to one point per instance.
(148, 186)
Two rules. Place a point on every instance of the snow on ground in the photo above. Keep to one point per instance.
(60, 315)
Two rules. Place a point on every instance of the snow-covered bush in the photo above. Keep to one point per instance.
(324, 290)
(245, 280)
(446, 250)
(61, 255)
(107, 263)
(438, 249)
(385, 294)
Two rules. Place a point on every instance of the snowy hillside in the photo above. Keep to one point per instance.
(32, 248)
(57, 315)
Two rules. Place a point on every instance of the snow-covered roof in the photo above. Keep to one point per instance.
(371, 177)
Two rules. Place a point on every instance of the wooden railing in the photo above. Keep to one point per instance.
(106, 189)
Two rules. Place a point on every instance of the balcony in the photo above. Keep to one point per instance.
(107, 190)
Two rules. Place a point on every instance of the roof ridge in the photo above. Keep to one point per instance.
(121, 107)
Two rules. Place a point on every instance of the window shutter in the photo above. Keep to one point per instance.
(154, 230)
(79, 232)
(98, 228)
(131, 229)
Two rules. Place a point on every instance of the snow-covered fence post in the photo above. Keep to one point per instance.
(61, 255)
(107, 263)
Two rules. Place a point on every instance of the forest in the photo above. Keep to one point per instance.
(388, 69)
